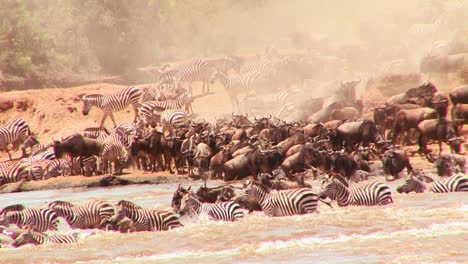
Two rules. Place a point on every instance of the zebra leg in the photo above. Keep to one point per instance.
(104, 117)
(113, 119)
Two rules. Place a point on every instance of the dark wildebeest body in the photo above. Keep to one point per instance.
(394, 161)
(440, 130)
(357, 132)
(77, 145)
(407, 119)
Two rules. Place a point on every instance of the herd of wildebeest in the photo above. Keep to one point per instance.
(333, 143)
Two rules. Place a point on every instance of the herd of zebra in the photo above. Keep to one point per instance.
(222, 203)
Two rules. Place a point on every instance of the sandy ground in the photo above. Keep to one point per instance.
(54, 113)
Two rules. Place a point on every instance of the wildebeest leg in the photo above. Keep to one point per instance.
(135, 110)
(440, 147)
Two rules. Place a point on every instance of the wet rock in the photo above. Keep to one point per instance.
(109, 181)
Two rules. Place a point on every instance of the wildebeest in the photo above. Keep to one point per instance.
(394, 161)
(447, 164)
(76, 145)
(357, 132)
(459, 95)
(407, 119)
(440, 130)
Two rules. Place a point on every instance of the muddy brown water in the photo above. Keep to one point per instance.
(415, 228)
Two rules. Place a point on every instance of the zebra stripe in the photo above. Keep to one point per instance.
(15, 133)
(14, 171)
(181, 102)
(169, 119)
(225, 211)
(12, 208)
(234, 85)
(375, 193)
(38, 238)
(39, 220)
(113, 150)
(88, 215)
(97, 133)
(455, 183)
(186, 73)
(58, 167)
(147, 219)
(281, 203)
(269, 99)
(262, 65)
(113, 103)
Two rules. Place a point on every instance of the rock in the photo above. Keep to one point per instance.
(109, 181)
(72, 109)
(22, 105)
(12, 187)
(5, 104)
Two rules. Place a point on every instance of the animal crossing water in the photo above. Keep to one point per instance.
(416, 227)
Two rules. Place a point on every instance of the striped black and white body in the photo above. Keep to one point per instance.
(170, 119)
(262, 65)
(58, 167)
(237, 84)
(39, 220)
(157, 91)
(455, 183)
(148, 219)
(36, 238)
(267, 101)
(114, 150)
(184, 101)
(98, 133)
(281, 203)
(11, 208)
(375, 193)
(113, 103)
(186, 73)
(224, 64)
(88, 215)
(14, 133)
(40, 155)
(13, 171)
(225, 211)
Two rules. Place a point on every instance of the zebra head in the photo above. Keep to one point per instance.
(177, 197)
(188, 204)
(410, 185)
(333, 189)
(26, 238)
(89, 101)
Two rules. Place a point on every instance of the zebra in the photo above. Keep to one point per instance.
(58, 167)
(234, 85)
(267, 100)
(88, 215)
(11, 208)
(35, 238)
(147, 219)
(375, 193)
(223, 64)
(225, 211)
(98, 133)
(39, 220)
(112, 103)
(15, 133)
(455, 183)
(169, 119)
(14, 171)
(186, 73)
(113, 150)
(281, 203)
(157, 91)
(182, 101)
(262, 65)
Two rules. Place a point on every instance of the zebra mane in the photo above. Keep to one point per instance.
(60, 203)
(128, 205)
(92, 96)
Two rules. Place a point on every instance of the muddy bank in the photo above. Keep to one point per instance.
(95, 181)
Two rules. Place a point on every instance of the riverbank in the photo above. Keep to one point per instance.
(62, 182)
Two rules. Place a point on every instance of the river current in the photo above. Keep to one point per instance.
(415, 228)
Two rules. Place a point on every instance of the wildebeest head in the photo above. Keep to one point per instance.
(410, 185)
(25, 238)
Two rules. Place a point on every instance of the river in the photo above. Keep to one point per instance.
(415, 228)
